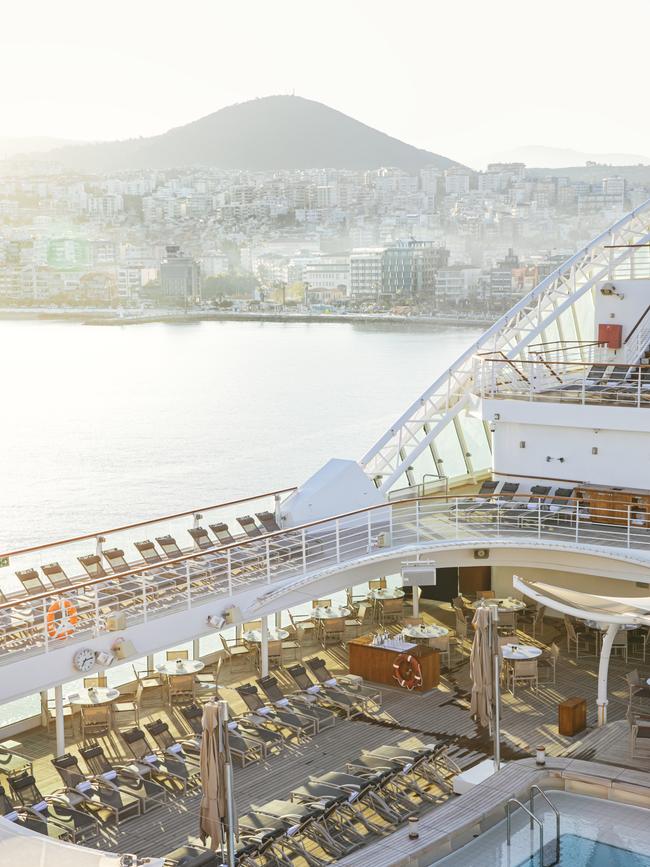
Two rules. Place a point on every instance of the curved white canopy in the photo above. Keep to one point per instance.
(587, 606)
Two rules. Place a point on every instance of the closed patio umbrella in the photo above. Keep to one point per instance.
(213, 811)
(480, 668)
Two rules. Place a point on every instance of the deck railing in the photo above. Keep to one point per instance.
(44, 621)
(604, 383)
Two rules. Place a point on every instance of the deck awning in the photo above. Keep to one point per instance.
(587, 606)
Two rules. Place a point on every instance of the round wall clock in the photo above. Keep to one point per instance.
(84, 659)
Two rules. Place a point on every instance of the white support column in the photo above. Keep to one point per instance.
(416, 600)
(264, 647)
(150, 662)
(278, 619)
(196, 653)
(60, 727)
(603, 668)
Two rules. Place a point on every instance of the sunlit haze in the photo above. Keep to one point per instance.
(468, 80)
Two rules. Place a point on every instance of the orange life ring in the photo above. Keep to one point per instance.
(61, 618)
(407, 671)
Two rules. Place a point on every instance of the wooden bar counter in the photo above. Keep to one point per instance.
(375, 664)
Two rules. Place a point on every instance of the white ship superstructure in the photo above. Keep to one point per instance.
(529, 457)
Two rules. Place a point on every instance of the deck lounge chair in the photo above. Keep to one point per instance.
(125, 778)
(57, 808)
(373, 787)
(487, 489)
(405, 779)
(314, 822)
(31, 581)
(518, 512)
(272, 834)
(487, 507)
(174, 753)
(429, 760)
(22, 819)
(559, 506)
(299, 724)
(367, 694)
(328, 697)
(245, 747)
(172, 776)
(301, 704)
(97, 796)
(347, 802)
(284, 546)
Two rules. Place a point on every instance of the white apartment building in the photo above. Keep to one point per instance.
(327, 274)
(456, 182)
(366, 270)
(130, 279)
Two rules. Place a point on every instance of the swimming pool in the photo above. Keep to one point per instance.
(594, 833)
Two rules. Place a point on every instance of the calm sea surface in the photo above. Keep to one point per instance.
(102, 426)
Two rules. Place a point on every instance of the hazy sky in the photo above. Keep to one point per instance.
(466, 79)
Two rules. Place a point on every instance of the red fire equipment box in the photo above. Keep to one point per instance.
(610, 334)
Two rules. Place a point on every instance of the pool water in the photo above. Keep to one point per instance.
(581, 852)
(594, 832)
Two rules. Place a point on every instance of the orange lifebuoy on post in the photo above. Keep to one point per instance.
(61, 618)
(407, 671)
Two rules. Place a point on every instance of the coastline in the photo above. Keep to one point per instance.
(110, 317)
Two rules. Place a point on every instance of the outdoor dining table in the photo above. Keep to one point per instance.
(386, 593)
(181, 666)
(254, 636)
(520, 652)
(93, 696)
(423, 631)
(505, 605)
(330, 613)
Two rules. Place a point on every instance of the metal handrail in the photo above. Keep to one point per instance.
(277, 535)
(531, 803)
(158, 520)
(533, 818)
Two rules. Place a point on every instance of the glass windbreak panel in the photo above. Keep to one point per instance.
(22, 708)
(584, 308)
(477, 442)
(568, 330)
(452, 462)
(551, 335)
(424, 468)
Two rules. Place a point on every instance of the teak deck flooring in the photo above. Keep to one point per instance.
(442, 715)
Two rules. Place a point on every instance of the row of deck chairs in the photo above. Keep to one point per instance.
(161, 582)
(339, 811)
(553, 507)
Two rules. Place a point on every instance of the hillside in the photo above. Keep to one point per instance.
(275, 132)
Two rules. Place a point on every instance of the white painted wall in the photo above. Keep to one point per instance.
(621, 435)
(611, 310)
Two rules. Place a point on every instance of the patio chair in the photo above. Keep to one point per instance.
(332, 631)
(31, 581)
(523, 671)
(95, 720)
(58, 578)
(619, 645)
(549, 659)
(326, 696)
(102, 800)
(301, 704)
(312, 791)
(386, 781)
(169, 546)
(185, 750)
(116, 560)
(250, 528)
(390, 611)
(181, 689)
(485, 594)
(128, 705)
(293, 644)
(11, 761)
(243, 746)
(442, 645)
(306, 624)
(580, 639)
(486, 507)
(637, 687)
(169, 773)
(430, 761)
(202, 540)
(268, 521)
(245, 558)
(236, 650)
(257, 728)
(319, 669)
(152, 685)
(123, 777)
(377, 584)
(362, 622)
(533, 618)
(487, 489)
(298, 724)
(639, 735)
(92, 565)
(252, 625)
(56, 808)
(270, 837)
(22, 819)
(639, 641)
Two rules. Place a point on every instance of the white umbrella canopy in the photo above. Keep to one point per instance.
(212, 812)
(480, 668)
